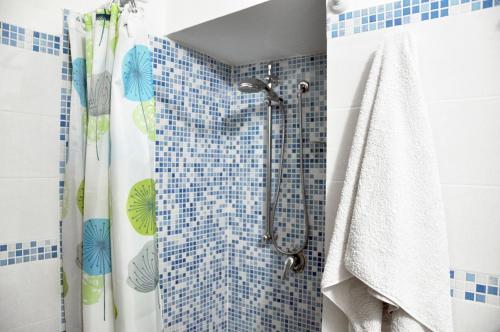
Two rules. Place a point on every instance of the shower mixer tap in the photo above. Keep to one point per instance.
(296, 263)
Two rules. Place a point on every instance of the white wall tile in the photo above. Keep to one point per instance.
(29, 145)
(457, 58)
(34, 287)
(458, 55)
(472, 317)
(30, 81)
(473, 221)
(49, 325)
(467, 140)
(47, 16)
(30, 209)
(349, 61)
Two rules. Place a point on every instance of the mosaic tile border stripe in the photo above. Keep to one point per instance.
(36, 41)
(475, 286)
(28, 251)
(400, 12)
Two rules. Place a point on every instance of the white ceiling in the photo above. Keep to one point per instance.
(270, 30)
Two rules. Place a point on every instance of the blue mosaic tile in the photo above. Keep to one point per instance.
(403, 12)
(258, 300)
(15, 36)
(23, 252)
(193, 103)
(473, 286)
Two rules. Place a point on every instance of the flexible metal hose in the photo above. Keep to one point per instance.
(280, 180)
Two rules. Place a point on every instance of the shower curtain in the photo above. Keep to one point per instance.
(110, 265)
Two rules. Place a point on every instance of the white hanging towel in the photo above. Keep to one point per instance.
(387, 265)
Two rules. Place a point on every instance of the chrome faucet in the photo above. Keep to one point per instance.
(295, 263)
(289, 263)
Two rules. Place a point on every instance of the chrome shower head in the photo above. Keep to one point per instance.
(254, 85)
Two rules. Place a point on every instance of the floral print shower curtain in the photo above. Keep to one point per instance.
(110, 264)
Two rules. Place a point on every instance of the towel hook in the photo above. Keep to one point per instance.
(337, 6)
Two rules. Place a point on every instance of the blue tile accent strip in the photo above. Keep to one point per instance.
(400, 13)
(475, 286)
(28, 251)
(16, 36)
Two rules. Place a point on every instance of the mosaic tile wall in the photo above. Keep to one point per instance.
(192, 94)
(400, 12)
(258, 298)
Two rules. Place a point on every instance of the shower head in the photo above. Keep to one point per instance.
(254, 85)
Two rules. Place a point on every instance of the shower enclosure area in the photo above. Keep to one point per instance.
(219, 272)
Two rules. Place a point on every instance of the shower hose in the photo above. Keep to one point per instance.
(280, 180)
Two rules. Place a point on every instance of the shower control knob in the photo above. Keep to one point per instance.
(295, 263)
(289, 263)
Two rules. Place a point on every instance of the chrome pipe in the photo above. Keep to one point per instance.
(269, 170)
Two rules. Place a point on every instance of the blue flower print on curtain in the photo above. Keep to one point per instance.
(80, 79)
(96, 247)
(137, 74)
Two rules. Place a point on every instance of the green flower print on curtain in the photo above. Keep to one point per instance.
(144, 117)
(65, 283)
(92, 289)
(89, 47)
(80, 196)
(141, 207)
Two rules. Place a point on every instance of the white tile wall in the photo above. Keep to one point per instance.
(47, 16)
(30, 86)
(24, 78)
(34, 287)
(29, 209)
(467, 136)
(460, 72)
(485, 318)
(458, 55)
(473, 213)
(29, 145)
